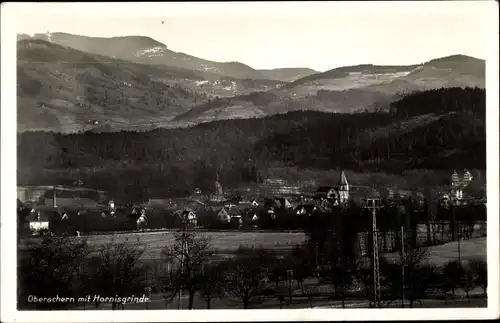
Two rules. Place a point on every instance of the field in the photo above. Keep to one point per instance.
(226, 242)
(222, 242)
(441, 254)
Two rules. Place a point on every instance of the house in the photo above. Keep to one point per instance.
(237, 220)
(37, 221)
(305, 209)
(285, 203)
(222, 214)
(234, 212)
(230, 206)
(187, 216)
(327, 192)
(107, 213)
(274, 203)
(63, 215)
(142, 221)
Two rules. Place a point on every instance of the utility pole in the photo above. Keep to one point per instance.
(374, 204)
(290, 276)
(54, 201)
(459, 236)
(183, 250)
(403, 265)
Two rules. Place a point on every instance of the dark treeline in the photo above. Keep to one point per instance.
(471, 101)
(174, 161)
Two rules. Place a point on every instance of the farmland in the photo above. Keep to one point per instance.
(222, 242)
(226, 242)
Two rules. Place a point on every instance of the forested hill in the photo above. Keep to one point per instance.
(437, 129)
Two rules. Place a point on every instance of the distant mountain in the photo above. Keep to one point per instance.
(349, 89)
(136, 82)
(64, 89)
(287, 74)
(146, 50)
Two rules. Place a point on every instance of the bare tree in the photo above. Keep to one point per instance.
(480, 270)
(117, 271)
(245, 275)
(467, 282)
(337, 270)
(211, 282)
(301, 261)
(451, 275)
(50, 267)
(364, 275)
(190, 252)
(310, 292)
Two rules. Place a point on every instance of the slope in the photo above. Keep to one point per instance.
(350, 89)
(63, 89)
(287, 74)
(146, 50)
(427, 130)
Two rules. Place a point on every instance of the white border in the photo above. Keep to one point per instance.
(11, 12)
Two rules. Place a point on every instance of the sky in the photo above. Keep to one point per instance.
(269, 35)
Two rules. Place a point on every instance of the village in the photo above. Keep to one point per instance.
(46, 209)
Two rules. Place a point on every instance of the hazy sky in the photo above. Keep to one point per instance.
(270, 35)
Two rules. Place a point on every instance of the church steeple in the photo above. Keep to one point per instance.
(343, 188)
(218, 195)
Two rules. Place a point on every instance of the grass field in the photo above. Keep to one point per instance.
(227, 242)
(222, 242)
(441, 254)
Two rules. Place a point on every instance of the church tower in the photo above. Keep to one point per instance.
(343, 188)
(218, 195)
(218, 187)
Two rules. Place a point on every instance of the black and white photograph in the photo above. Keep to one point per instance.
(249, 161)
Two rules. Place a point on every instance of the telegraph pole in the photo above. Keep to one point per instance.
(289, 273)
(459, 236)
(403, 264)
(183, 250)
(374, 204)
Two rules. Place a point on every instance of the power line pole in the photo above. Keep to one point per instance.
(373, 204)
(183, 250)
(403, 264)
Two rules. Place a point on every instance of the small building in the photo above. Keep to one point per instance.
(305, 209)
(63, 215)
(187, 216)
(222, 214)
(37, 221)
(142, 221)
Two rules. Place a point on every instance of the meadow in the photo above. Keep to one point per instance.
(223, 242)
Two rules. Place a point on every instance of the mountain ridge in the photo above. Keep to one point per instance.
(71, 87)
(197, 94)
(144, 49)
(351, 88)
